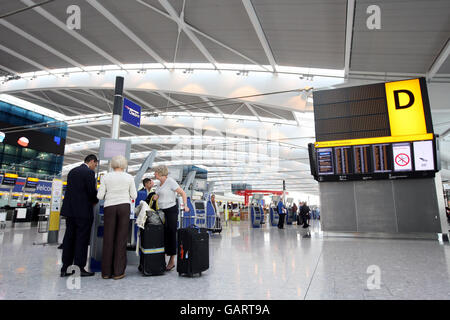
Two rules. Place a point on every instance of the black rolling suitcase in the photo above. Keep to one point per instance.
(193, 251)
(152, 256)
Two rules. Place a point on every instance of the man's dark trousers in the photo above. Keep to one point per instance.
(76, 241)
(281, 220)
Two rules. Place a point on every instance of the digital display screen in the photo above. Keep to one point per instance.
(199, 205)
(114, 147)
(325, 161)
(362, 159)
(343, 160)
(377, 161)
(35, 140)
(381, 158)
(351, 113)
(401, 153)
(423, 155)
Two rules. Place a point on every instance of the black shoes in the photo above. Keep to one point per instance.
(64, 273)
(83, 273)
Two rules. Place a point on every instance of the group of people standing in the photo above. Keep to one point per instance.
(118, 190)
(303, 214)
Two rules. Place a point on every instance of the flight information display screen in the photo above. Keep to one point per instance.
(344, 163)
(325, 161)
(362, 159)
(375, 131)
(376, 161)
(381, 158)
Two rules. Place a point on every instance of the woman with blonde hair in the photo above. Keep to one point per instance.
(117, 188)
(167, 202)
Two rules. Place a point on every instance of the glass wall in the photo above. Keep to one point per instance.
(27, 161)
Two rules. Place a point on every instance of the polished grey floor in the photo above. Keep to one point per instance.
(246, 263)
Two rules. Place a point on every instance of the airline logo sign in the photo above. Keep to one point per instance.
(131, 113)
(405, 107)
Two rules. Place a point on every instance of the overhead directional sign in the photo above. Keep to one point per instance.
(131, 113)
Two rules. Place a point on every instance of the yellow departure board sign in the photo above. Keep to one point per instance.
(379, 113)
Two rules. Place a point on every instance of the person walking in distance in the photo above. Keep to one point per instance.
(304, 212)
(78, 208)
(282, 213)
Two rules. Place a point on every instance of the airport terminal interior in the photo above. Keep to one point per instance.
(309, 142)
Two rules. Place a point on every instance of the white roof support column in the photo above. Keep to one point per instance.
(38, 98)
(41, 44)
(259, 32)
(130, 34)
(23, 58)
(168, 16)
(9, 70)
(443, 55)
(265, 110)
(212, 105)
(193, 37)
(171, 100)
(87, 105)
(94, 94)
(349, 35)
(73, 33)
(250, 107)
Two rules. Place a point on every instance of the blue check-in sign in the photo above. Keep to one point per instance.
(131, 113)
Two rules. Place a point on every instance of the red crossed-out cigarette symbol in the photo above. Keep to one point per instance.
(402, 159)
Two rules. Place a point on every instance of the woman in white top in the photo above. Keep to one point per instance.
(167, 202)
(117, 188)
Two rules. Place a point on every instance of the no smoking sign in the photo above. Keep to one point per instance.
(402, 156)
(402, 159)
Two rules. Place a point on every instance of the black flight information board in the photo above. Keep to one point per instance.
(344, 163)
(325, 161)
(377, 161)
(362, 159)
(375, 131)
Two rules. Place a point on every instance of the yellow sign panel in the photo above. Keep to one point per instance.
(406, 116)
(11, 175)
(55, 205)
(53, 221)
(405, 107)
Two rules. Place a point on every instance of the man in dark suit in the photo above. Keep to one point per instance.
(78, 208)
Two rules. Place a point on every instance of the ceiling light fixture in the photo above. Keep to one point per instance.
(243, 73)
